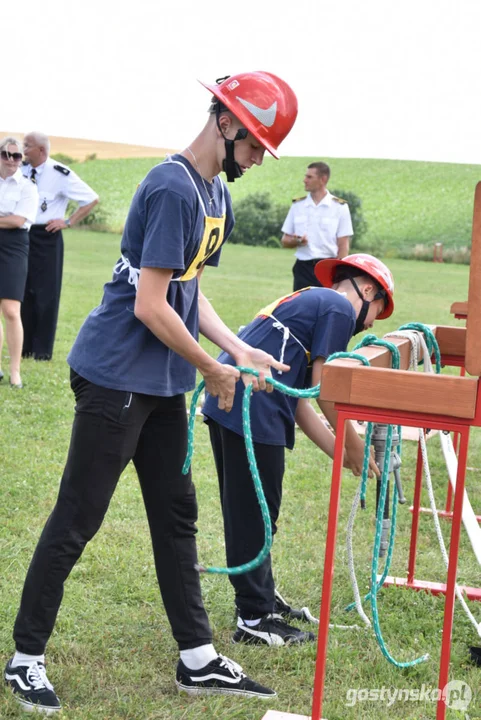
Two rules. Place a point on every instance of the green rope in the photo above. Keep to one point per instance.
(431, 342)
(264, 552)
(375, 584)
(375, 560)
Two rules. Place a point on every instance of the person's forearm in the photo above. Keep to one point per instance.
(314, 428)
(342, 247)
(82, 213)
(167, 325)
(214, 329)
(292, 241)
(328, 409)
(10, 222)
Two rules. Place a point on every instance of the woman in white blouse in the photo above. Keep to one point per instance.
(18, 207)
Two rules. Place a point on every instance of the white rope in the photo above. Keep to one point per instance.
(429, 368)
(418, 346)
(413, 337)
(350, 557)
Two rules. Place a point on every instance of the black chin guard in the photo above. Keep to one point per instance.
(361, 317)
(232, 168)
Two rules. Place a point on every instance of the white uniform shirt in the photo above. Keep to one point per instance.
(18, 196)
(56, 188)
(322, 224)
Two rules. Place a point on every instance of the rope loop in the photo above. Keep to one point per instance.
(246, 423)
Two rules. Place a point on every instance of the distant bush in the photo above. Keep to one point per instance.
(88, 158)
(258, 221)
(359, 224)
(61, 157)
(96, 219)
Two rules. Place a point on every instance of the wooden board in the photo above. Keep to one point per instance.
(451, 340)
(400, 390)
(473, 336)
(459, 309)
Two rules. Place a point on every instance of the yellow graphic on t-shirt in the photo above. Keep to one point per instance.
(211, 241)
(268, 310)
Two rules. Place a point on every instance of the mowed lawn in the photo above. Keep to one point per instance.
(112, 656)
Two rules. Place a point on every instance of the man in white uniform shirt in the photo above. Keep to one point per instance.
(319, 226)
(56, 185)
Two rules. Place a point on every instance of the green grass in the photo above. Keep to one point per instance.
(111, 656)
(406, 204)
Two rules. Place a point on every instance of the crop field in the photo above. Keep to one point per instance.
(408, 205)
(405, 204)
(112, 656)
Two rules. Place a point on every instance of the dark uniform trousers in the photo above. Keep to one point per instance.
(111, 428)
(304, 275)
(42, 292)
(243, 524)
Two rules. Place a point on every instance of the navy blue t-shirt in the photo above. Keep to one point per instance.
(321, 322)
(164, 229)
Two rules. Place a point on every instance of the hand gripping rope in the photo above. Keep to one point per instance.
(361, 494)
(308, 393)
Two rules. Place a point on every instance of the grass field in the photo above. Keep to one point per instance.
(406, 204)
(111, 656)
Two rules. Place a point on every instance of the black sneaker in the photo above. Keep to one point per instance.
(475, 655)
(32, 688)
(271, 630)
(221, 676)
(287, 611)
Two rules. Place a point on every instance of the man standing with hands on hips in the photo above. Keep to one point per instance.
(56, 185)
(319, 226)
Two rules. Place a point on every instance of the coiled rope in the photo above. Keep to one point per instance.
(246, 423)
(360, 494)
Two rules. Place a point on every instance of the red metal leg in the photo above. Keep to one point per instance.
(449, 496)
(415, 512)
(328, 575)
(452, 571)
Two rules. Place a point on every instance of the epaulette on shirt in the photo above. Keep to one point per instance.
(62, 169)
(297, 199)
(339, 200)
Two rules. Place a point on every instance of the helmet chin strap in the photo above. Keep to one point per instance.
(231, 168)
(364, 309)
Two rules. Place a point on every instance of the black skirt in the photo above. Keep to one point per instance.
(13, 263)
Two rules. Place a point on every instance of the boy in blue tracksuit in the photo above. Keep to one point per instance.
(301, 330)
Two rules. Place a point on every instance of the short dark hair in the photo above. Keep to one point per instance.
(322, 168)
(346, 272)
(217, 106)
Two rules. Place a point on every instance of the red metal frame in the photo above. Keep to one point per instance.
(398, 417)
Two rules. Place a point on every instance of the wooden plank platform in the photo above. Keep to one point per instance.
(459, 309)
(378, 387)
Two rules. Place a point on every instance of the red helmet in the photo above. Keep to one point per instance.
(367, 264)
(264, 104)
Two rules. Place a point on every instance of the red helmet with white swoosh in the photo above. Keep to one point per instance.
(264, 104)
(368, 265)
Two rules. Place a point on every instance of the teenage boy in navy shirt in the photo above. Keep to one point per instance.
(302, 330)
(133, 360)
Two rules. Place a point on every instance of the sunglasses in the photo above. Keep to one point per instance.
(10, 156)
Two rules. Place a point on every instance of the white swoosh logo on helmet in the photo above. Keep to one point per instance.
(266, 117)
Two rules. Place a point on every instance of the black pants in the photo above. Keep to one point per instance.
(243, 523)
(304, 276)
(42, 292)
(110, 428)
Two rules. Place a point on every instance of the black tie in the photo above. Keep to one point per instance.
(33, 172)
